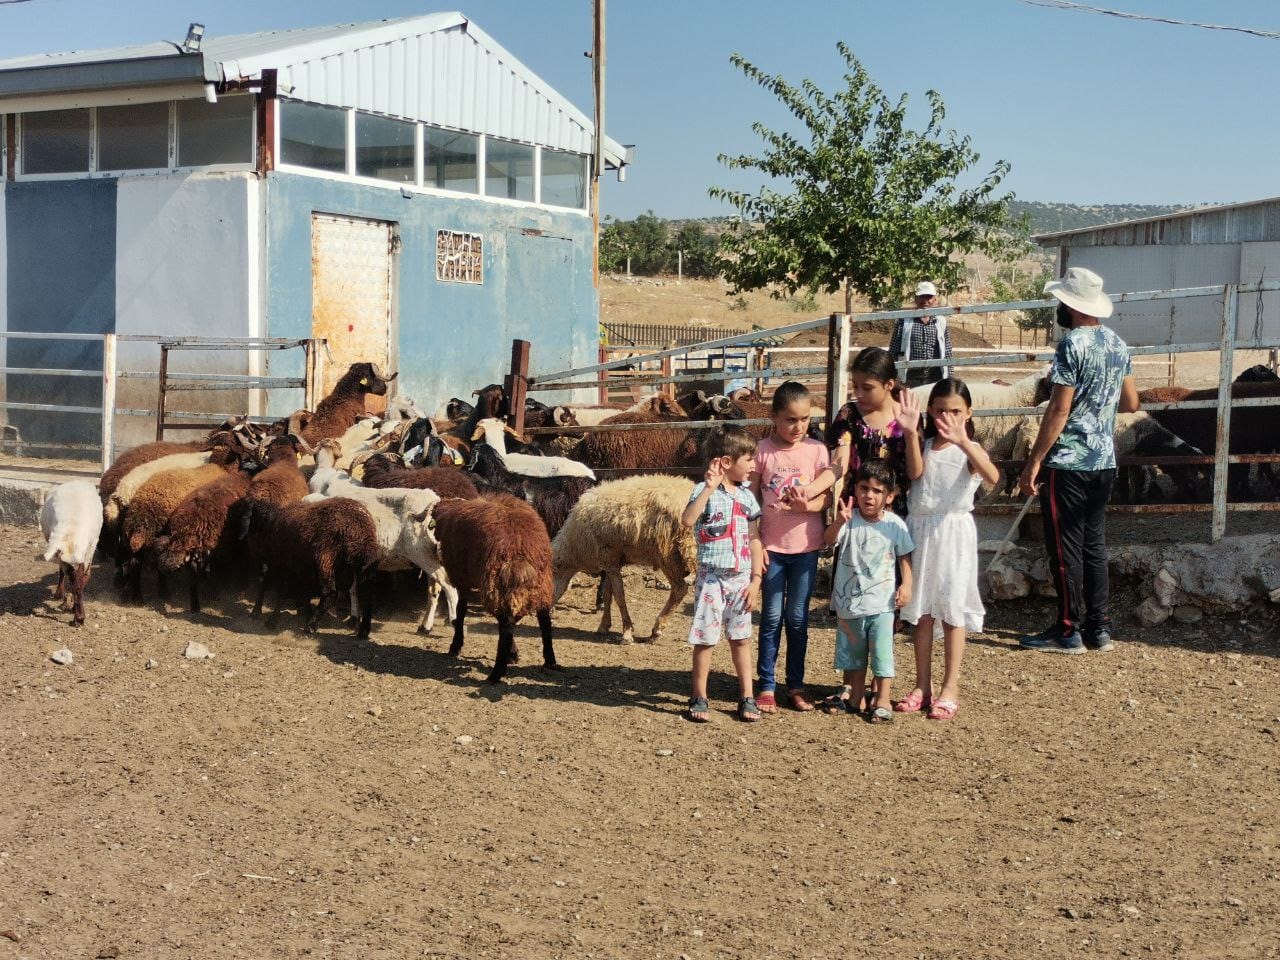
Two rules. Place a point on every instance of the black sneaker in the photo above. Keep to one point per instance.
(1099, 641)
(1054, 640)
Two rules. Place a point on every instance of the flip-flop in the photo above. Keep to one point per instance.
(748, 712)
(767, 702)
(913, 702)
(837, 703)
(880, 715)
(943, 709)
(799, 701)
(699, 710)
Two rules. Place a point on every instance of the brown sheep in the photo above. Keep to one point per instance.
(382, 472)
(199, 531)
(344, 405)
(137, 457)
(1253, 429)
(495, 549)
(323, 549)
(675, 451)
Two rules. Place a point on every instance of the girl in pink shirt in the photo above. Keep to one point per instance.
(793, 473)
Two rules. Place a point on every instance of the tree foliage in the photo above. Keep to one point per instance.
(652, 247)
(1009, 285)
(873, 206)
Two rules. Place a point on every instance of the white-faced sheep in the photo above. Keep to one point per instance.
(631, 521)
(496, 552)
(71, 521)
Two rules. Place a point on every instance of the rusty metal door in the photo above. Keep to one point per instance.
(353, 294)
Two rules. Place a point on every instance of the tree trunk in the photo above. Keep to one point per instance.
(848, 296)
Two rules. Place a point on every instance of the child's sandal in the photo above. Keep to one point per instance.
(837, 703)
(748, 712)
(913, 702)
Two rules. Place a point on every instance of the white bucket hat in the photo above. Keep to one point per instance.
(1082, 289)
(926, 289)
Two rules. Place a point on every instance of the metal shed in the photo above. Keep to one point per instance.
(406, 188)
(1232, 243)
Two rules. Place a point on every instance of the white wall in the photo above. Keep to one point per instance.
(186, 265)
(4, 299)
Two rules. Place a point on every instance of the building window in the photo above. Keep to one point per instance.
(313, 136)
(385, 148)
(508, 169)
(451, 160)
(135, 137)
(459, 257)
(55, 141)
(564, 179)
(210, 134)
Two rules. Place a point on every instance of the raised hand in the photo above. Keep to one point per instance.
(715, 473)
(951, 429)
(908, 411)
(844, 510)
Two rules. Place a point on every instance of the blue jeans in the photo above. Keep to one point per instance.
(788, 584)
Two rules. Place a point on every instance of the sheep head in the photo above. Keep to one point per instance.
(564, 417)
(362, 378)
(457, 409)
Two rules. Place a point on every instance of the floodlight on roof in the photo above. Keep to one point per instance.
(195, 33)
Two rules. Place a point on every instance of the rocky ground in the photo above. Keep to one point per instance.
(297, 796)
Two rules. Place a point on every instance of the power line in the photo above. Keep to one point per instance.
(1086, 8)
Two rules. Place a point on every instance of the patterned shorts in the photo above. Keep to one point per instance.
(719, 599)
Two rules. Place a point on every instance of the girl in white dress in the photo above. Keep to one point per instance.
(946, 468)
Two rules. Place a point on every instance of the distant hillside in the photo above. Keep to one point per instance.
(1054, 217)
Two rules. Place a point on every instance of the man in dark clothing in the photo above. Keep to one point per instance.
(922, 338)
(1072, 464)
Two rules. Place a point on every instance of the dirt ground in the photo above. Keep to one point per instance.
(299, 796)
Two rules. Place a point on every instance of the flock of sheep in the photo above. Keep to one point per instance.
(318, 506)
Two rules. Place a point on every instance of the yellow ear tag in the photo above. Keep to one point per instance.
(364, 381)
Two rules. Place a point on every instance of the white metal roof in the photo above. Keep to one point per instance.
(1136, 232)
(437, 68)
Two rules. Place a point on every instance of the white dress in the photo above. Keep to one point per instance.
(944, 565)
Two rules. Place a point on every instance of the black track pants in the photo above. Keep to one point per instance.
(1072, 505)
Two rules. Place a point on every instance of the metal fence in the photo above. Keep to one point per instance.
(835, 371)
(167, 382)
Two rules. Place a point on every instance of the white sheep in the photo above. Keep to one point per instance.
(134, 480)
(493, 432)
(631, 521)
(71, 521)
(405, 541)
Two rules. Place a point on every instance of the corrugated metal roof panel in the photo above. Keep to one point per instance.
(437, 68)
(1248, 222)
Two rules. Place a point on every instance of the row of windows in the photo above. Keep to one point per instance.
(195, 133)
(367, 145)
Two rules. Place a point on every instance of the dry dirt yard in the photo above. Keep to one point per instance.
(303, 797)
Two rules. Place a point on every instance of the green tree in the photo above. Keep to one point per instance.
(1010, 285)
(643, 240)
(700, 250)
(874, 205)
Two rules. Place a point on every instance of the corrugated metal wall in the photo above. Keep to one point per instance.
(447, 77)
(1247, 223)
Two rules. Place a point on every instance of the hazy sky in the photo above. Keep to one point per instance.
(1088, 109)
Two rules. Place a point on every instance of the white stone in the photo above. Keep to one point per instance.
(63, 657)
(197, 651)
(1005, 581)
(463, 740)
(1152, 613)
(1166, 588)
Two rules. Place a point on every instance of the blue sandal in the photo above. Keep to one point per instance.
(699, 710)
(748, 711)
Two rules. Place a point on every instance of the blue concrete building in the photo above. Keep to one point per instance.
(405, 188)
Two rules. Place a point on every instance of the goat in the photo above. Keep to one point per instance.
(631, 521)
(344, 405)
(495, 549)
(71, 521)
(493, 432)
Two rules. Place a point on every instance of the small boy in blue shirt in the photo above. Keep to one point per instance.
(726, 519)
(869, 540)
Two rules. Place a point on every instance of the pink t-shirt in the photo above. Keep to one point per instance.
(783, 531)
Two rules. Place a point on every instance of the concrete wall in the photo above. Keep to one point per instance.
(452, 337)
(60, 239)
(186, 264)
(4, 301)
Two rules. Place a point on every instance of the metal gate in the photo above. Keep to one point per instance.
(353, 294)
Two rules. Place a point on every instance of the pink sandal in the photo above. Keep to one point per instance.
(914, 702)
(943, 709)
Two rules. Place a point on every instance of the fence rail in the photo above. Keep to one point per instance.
(627, 333)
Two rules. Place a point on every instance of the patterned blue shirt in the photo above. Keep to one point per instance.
(1094, 361)
(864, 579)
(722, 532)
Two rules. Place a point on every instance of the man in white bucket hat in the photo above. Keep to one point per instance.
(922, 338)
(1072, 464)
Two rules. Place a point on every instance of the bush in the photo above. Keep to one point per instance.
(1010, 285)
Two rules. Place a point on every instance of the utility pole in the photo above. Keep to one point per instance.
(597, 164)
